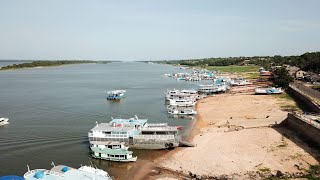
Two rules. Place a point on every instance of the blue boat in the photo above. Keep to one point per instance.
(116, 95)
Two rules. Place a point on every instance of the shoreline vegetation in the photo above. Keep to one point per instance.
(307, 62)
(33, 64)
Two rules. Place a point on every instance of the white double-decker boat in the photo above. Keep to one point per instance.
(135, 133)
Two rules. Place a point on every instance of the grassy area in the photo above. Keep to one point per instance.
(234, 68)
(285, 96)
(251, 75)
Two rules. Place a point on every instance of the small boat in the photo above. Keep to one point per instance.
(271, 90)
(4, 121)
(116, 95)
(239, 82)
(62, 172)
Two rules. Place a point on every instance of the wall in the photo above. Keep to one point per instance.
(309, 100)
(303, 128)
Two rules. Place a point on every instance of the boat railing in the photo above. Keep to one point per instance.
(110, 135)
(160, 137)
(156, 124)
(159, 128)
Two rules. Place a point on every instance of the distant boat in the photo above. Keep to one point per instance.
(62, 172)
(271, 90)
(4, 121)
(116, 95)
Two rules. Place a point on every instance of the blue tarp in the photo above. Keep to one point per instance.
(65, 169)
(39, 174)
(11, 178)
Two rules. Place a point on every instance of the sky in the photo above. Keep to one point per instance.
(131, 30)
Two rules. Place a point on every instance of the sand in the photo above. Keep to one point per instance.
(234, 135)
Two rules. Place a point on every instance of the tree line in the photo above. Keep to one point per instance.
(307, 61)
(48, 63)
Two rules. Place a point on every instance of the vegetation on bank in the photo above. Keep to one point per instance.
(234, 68)
(48, 63)
(307, 61)
(281, 77)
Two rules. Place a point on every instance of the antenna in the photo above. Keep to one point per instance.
(97, 123)
(28, 168)
(52, 163)
(136, 116)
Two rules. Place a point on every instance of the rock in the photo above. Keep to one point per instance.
(279, 174)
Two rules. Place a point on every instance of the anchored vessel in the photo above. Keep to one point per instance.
(116, 95)
(4, 121)
(112, 151)
(136, 133)
(175, 110)
(183, 94)
(271, 90)
(62, 172)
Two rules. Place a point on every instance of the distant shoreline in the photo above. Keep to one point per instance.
(37, 64)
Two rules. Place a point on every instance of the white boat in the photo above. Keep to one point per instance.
(62, 172)
(186, 111)
(239, 82)
(212, 88)
(271, 90)
(116, 95)
(4, 121)
(136, 133)
(183, 94)
(182, 102)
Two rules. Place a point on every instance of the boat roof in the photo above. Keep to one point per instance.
(131, 121)
(116, 91)
(109, 127)
(111, 151)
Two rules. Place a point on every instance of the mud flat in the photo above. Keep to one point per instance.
(235, 135)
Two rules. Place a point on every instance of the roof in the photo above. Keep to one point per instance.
(111, 151)
(109, 127)
(131, 121)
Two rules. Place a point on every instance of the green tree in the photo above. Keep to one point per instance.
(281, 77)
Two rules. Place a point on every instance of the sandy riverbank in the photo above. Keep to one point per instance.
(232, 137)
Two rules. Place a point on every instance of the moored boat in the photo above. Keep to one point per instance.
(186, 111)
(136, 133)
(182, 102)
(271, 90)
(62, 172)
(116, 95)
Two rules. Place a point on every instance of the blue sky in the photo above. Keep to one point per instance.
(156, 29)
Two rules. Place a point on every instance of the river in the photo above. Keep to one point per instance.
(52, 109)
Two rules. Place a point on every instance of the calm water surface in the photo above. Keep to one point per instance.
(52, 109)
